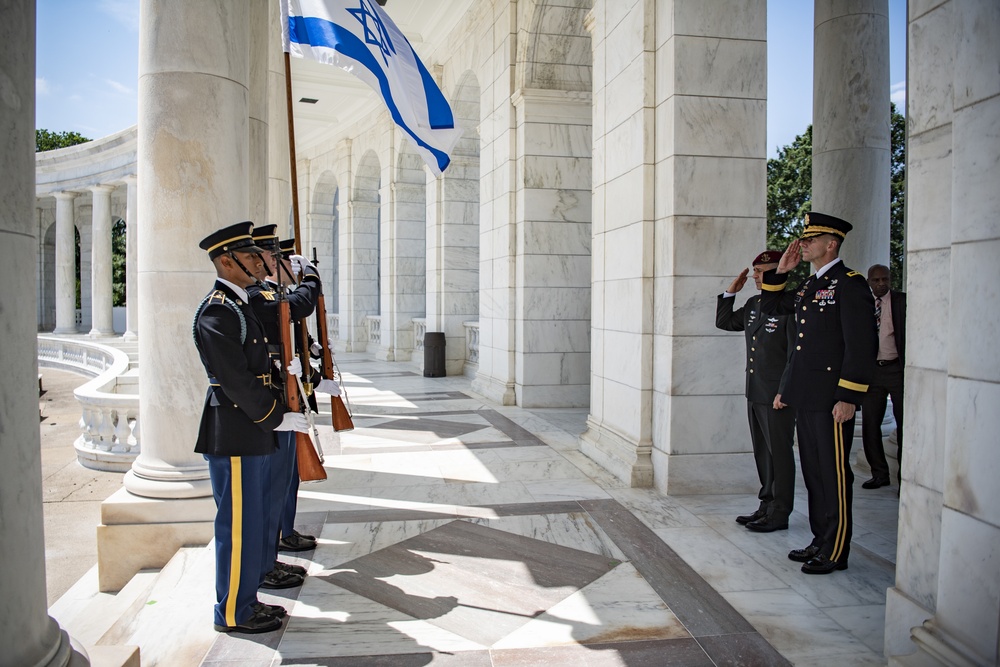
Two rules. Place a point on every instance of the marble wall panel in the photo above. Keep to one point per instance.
(685, 306)
(929, 76)
(555, 368)
(693, 473)
(558, 140)
(555, 271)
(557, 303)
(553, 396)
(929, 179)
(555, 335)
(715, 67)
(707, 424)
(917, 8)
(560, 76)
(972, 456)
(730, 19)
(629, 195)
(717, 186)
(558, 238)
(976, 170)
(559, 48)
(918, 543)
(624, 42)
(453, 236)
(928, 314)
(924, 400)
(628, 253)
(629, 144)
(625, 306)
(971, 354)
(631, 353)
(462, 260)
(715, 126)
(725, 246)
(625, 93)
(969, 589)
(624, 408)
(556, 172)
(557, 19)
(978, 24)
(696, 363)
(617, 12)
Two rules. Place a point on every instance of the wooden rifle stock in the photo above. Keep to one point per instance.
(340, 415)
(310, 467)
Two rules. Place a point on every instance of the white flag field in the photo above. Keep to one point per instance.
(359, 37)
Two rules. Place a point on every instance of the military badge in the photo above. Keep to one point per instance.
(823, 295)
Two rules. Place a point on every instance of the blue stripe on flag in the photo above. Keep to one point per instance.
(313, 31)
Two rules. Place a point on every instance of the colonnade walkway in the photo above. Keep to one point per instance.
(453, 531)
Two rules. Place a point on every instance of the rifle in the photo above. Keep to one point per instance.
(310, 461)
(341, 416)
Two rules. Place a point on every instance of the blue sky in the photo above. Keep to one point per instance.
(87, 66)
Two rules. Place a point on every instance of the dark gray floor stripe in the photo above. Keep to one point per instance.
(512, 509)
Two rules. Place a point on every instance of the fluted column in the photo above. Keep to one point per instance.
(851, 123)
(193, 149)
(279, 192)
(28, 635)
(131, 260)
(100, 273)
(65, 264)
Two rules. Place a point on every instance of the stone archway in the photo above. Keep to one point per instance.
(359, 282)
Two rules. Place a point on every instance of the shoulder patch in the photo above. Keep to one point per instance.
(218, 296)
(851, 274)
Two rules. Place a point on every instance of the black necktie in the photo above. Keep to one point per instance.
(878, 314)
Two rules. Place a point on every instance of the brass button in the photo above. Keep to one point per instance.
(802, 321)
(235, 406)
(798, 347)
(828, 368)
(751, 370)
(254, 340)
(802, 335)
(803, 307)
(753, 349)
(751, 360)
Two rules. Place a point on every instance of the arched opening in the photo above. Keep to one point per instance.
(325, 221)
(361, 283)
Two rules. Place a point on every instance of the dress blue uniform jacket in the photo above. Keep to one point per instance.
(835, 336)
(769, 345)
(241, 408)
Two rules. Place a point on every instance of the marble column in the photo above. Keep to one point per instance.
(28, 635)
(100, 272)
(192, 164)
(131, 259)
(404, 254)
(65, 264)
(679, 207)
(851, 123)
(260, 46)
(279, 189)
(960, 84)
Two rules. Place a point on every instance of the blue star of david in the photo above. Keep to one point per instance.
(375, 32)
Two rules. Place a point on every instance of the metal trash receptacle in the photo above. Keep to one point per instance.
(434, 354)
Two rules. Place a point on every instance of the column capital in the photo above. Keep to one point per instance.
(130, 179)
(65, 195)
(101, 187)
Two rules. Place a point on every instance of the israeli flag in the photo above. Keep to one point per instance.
(359, 37)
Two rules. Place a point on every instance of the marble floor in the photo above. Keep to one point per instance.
(453, 531)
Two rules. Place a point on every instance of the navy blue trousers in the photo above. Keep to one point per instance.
(280, 467)
(238, 484)
(292, 498)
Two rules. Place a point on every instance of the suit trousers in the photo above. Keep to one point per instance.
(887, 381)
(825, 452)
(238, 484)
(772, 433)
(287, 522)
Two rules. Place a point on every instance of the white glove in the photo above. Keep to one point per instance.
(316, 349)
(295, 368)
(298, 261)
(293, 421)
(328, 387)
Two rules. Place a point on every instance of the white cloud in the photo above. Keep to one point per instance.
(897, 93)
(120, 88)
(42, 87)
(125, 12)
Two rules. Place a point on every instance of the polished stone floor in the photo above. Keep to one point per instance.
(453, 531)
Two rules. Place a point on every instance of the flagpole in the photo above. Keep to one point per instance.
(291, 156)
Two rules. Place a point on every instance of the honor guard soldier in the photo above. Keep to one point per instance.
(242, 411)
(831, 366)
(769, 343)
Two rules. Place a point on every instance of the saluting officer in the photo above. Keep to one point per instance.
(831, 366)
(242, 411)
(769, 343)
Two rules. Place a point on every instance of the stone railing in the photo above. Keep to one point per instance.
(333, 325)
(419, 329)
(109, 402)
(471, 342)
(373, 330)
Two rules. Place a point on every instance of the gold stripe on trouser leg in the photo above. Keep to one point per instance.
(236, 543)
(838, 448)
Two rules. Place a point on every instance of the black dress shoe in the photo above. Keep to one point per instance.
(270, 609)
(823, 565)
(289, 568)
(276, 579)
(875, 482)
(803, 555)
(257, 623)
(747, 518)
(296, 542)
(768, 525)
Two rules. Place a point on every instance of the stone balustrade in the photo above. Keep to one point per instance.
(373, 330)
(109, 422)
(471, 343)
(333, 325)
(419, 329)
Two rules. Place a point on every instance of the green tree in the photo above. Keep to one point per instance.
(46, 140)
(118, 262)
(789, 195)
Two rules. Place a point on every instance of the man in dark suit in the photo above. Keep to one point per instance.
(769, 342)
(890, 319)
(242, 411)
(831, 366)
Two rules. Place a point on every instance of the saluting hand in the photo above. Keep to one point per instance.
(738, 282)
(790, 258)
(843, 412)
